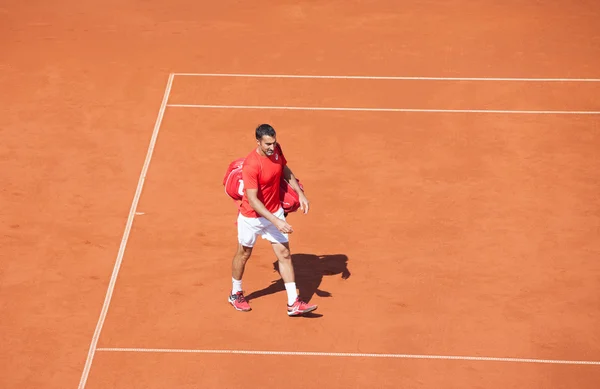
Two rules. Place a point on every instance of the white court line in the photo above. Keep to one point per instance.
(132, 212)
(498, 111)
(349, 355)
(406, 78)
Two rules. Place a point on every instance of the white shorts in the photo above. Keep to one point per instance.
(250, 227)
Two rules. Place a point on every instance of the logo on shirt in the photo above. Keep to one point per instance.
(276, 157)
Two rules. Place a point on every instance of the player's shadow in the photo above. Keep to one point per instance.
(309, 270)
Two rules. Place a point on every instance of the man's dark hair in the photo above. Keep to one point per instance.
(264, 129)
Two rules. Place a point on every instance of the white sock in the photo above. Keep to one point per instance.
(292, 294)
(237, 285)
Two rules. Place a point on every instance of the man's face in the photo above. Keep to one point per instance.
(267, 145)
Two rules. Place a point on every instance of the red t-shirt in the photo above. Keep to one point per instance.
(263, 173)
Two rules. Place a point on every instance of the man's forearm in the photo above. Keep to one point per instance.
(291, 179)
(260, 208)
(294, 184)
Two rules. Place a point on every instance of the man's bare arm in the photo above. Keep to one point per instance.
(258, 205)
(288, 175)
(260, 208)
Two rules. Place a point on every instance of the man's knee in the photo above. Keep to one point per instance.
(244, 252)
(282, 251)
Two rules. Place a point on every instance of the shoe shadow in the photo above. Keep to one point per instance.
(309, 270)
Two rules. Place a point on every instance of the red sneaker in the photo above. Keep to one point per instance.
(299, 308)
(239, 302)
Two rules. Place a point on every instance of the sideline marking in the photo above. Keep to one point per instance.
(351, 355)
(132, 212)
(498, 111)
(406, 78)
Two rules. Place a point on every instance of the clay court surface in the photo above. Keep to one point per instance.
(453, 238)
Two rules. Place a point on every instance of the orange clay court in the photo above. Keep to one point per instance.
(450, 151)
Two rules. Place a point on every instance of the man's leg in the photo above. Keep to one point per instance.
(247, 230)
(284, 257)
(286, 270)
(238, 264)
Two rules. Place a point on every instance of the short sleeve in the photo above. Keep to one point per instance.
(250, 171)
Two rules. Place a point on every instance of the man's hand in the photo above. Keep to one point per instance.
(283, 226)
(303, 202)
(260, 208)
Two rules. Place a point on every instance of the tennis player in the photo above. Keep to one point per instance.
(261, 214)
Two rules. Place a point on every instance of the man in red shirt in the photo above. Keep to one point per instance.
(261, 214)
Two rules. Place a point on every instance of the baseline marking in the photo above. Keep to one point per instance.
(349, 355)
(497, 111)
(406, 78)
(132, 212)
